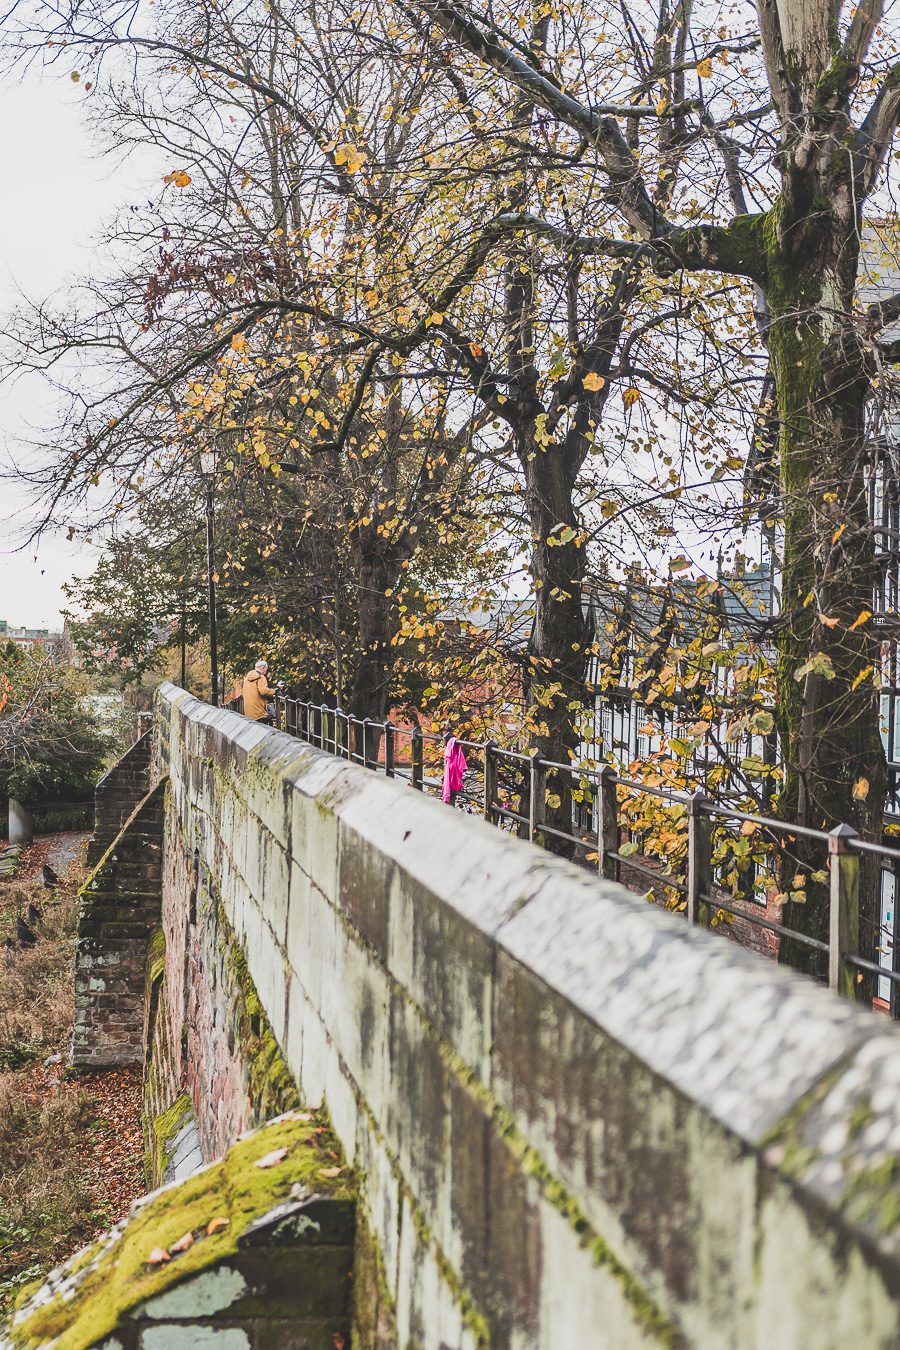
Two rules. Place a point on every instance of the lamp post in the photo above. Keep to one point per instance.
(208, 470)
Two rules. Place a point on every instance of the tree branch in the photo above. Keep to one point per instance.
(628, 190)
(873, 140)
(856, 44)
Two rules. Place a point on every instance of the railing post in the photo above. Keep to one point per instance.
(843, 909)
(417, 775)
(388, 749)
(338, 732)
(699, 873)
(365, 742)
(607, 824)
(323, 726)
(490, 779)
(535, 791)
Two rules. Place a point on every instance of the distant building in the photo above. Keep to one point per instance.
(27, 637)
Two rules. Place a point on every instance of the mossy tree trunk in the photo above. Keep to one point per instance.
(827, 651)
(558, 650)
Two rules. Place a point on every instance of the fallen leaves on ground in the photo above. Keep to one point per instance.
(71, 1151)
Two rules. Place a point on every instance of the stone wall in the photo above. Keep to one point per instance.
(117, 794)
(207, 1033)
(120, 910)
(577, 1122)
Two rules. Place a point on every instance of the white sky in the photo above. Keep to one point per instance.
(57, 193)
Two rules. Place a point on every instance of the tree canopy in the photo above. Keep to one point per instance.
(487, 306)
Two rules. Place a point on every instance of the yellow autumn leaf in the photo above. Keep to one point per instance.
(866, 670)
(592, 381)
(838, 532)
(238, 342)
(861, 789)
(348, 154)
(662, 105)
(704, 68)
(631, 396)
(861, 618)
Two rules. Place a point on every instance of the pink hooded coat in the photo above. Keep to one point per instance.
(454, 768)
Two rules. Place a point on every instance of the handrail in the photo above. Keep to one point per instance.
(523, 809)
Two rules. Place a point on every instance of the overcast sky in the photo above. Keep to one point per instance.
(56, 194)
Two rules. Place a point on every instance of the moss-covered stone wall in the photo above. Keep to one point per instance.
(252, 1253)
(576, 1121)
(209, 1034)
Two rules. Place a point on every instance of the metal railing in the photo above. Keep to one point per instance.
(513, 789)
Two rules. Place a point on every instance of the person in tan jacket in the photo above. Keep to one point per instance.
(256, 691)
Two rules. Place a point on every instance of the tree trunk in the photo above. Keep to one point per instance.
(557, 656)
(827, 651)
(377, 625)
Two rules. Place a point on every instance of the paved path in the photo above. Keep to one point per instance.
(59, 850)
(63, 848)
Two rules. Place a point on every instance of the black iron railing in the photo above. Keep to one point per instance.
(513, 789)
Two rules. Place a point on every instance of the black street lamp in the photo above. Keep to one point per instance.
(208, 470)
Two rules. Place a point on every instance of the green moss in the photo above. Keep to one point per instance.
(156, 957)
(873, 1196)
(474, 1321)
(114, 1276)
(784, 1140)
(647, 1313)
(860, 1118)
(374, 1313)
(165, 1128)
(271, 1085)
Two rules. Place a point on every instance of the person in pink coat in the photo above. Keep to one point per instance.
(454, 768)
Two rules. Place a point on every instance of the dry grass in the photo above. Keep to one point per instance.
(37, 996)
(69, 1150)
(45, 1200)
